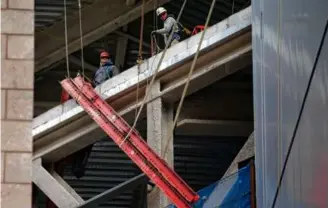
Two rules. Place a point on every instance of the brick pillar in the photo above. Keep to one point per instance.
(17, 72)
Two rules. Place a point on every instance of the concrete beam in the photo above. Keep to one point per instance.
(109, 16)
(159, 132)
(82, 131)
(56, 132)
(201, 127)
(46, 104)
(132, 38)
(54, 187)
(78, 62)
(245, 152)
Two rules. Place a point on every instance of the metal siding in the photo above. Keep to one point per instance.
(201, 161)
(285, 42)
(107, 167)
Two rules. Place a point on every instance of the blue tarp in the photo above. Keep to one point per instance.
(231, 192)
(239, 194)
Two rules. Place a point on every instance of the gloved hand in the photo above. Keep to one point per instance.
(153, 33)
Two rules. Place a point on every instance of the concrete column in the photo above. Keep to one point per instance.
(17, 70)
(159, 128)
(122, 43)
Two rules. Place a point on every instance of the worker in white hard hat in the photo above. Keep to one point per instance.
(169, 24)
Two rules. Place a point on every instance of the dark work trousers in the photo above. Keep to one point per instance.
(80, 161)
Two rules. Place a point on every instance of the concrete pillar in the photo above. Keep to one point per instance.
(122, 43)
(17, 70)
(159, 128)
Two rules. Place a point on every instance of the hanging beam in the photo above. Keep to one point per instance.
(78, 62)
(115, 191)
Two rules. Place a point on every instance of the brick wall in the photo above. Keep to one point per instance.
(17, 69)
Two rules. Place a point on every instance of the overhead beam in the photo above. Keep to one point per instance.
(115, 191)
(46, 59)
(54, 187)
(78, 62)
(42, 104)
(202, 127)
(132, 38)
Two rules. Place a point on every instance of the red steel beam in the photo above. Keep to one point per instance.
(137, 140)
(127, 147)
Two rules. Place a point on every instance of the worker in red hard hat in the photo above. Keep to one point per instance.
(106, 70)
(169, 24)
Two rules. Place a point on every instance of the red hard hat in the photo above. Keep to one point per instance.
(104, 54)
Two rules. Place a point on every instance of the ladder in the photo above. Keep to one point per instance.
(134, 146)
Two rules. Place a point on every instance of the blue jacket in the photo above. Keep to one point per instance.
(104, 72)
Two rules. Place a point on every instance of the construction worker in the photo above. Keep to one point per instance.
(169, 24)
(106, 70)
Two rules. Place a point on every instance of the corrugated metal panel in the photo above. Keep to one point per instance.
(286, 36)
(203, 160)
(107, 167)
(47, 12)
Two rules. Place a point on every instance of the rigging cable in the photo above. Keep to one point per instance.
(169, 136)
(140, 59)
(189, 77)
(81, 37)
(154, 76)
(66, 39)
(300, 115)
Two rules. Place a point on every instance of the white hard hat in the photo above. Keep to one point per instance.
(160, 10)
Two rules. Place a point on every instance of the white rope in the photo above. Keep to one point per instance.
(66, 39)
(153, 78)
(189, 78)
(81, 37)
